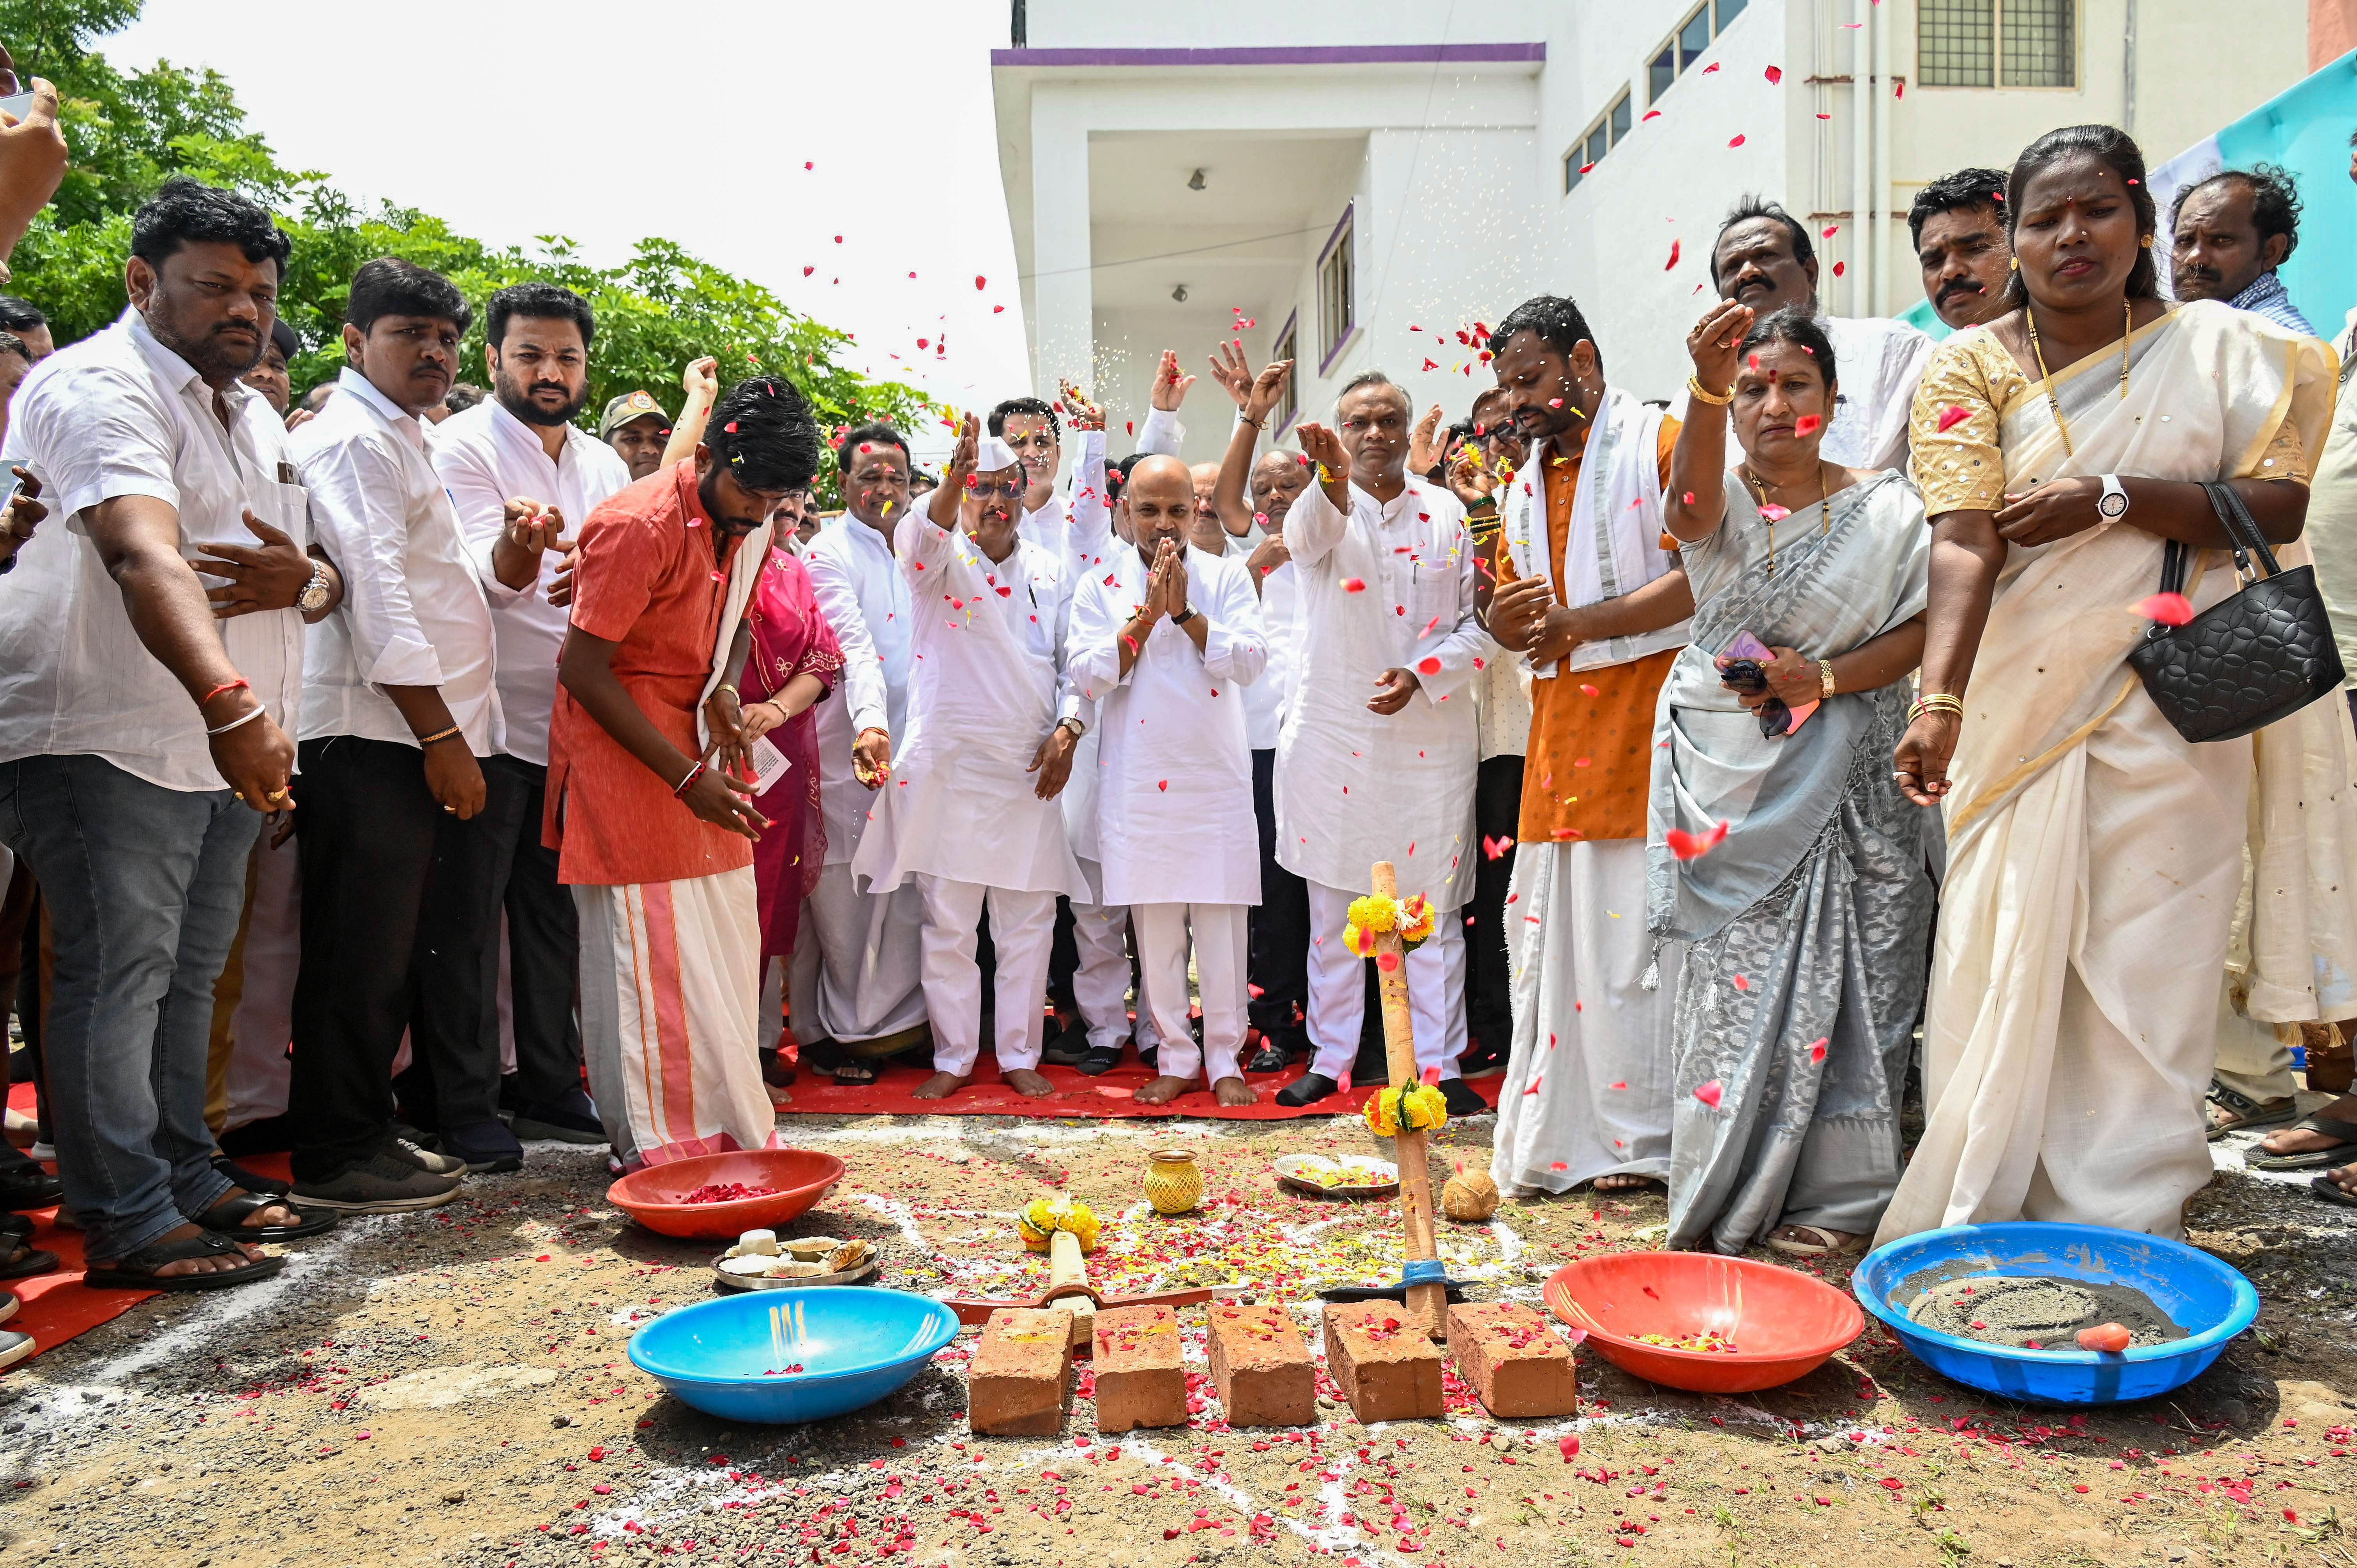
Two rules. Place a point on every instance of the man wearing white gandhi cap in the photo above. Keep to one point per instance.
(971, 810)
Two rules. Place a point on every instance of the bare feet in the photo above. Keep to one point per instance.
(941, 1086)
(1625, 1181)
(2303, 1140)
(2344, 1177)
(1024, 1081)
(1164, 1090)
(1233, 1091)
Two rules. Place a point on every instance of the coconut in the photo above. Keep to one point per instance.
(1469, 1197)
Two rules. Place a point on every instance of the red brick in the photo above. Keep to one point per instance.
(1140, 1380)
(1260, 1367)
(1516, 1364)
(1387, 1367)
(1018, 1381)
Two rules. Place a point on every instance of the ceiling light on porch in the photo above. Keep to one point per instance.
(1180, 293)
(1195, 180)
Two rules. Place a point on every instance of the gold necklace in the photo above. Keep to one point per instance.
(1759, 487)
(2127, 330)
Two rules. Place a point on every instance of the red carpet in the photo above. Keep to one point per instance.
(56, 1306)
(1112, 1095)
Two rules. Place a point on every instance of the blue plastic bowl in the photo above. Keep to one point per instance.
(2212, 1300)
(854, 1345)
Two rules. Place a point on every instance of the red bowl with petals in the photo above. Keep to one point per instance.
(652, 1195)
(1784, 1325)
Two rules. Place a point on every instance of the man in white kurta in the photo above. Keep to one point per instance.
(1378, 754)
(865, 988)
(1166, 640)
(970, 814)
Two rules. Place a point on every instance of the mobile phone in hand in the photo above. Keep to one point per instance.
(17, 105)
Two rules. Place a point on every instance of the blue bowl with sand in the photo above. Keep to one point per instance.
(1999, 1307)
(793, 1355)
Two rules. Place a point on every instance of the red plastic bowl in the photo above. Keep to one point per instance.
(652, 1197)
(1785, 1324)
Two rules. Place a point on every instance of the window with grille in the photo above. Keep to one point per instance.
(1997, 43)
(1601, 139)
(1336, 308)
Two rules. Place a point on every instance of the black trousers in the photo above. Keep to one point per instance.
(387, 875)
(484, 868)
(1279, 959)
(1489, 985)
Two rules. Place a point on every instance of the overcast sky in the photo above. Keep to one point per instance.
(607, 121)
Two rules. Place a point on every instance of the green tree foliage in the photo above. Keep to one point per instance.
(129, 132)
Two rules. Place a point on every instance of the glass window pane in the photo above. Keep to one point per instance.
(1571, 162)
(1956, 43)
(2040, 46)
(1694, 37)
(1728, 10)
(1663, 71)
(1598, 144)
(1619, 119)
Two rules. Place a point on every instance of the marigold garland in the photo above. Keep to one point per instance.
(1376, 913)
(1417, 1106)
(1045, 1215)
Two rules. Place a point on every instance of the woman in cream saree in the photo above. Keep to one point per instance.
(2094, 856)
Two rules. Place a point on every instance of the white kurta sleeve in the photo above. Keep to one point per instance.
(1313, 526)
(1071, 702)
(1092, 643)
(862, 667)
(1464, 651)
(1235, 647)
(1161, 435)
(1091, 526)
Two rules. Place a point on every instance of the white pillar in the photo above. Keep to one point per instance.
(1063, 323)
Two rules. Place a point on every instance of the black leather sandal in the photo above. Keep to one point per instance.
(137, 1271)
(230, 1215)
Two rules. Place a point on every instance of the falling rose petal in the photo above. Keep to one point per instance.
(1431, 1078)
(1534, 1089)
(1427, 665)
(806, 162)
(1163, 784)
(1624, 1084)
(997, 309)
(1354, 585)
(1651, 115)
(1838, 269)
(1687, 497)
(1116, 1093)
(1952, 416)
(2169, 609)
(1674, 257)
(1741, 984)
(1570, 1446)
(1254, 992)
(1388, 962)
(980, 281)
(1775, 75)
(1588, 691)
(1557, 1165)
(1737, 141)
(1899, 90)
(1775, 513)
(1711, 67)
(1824, 116)
(1831, 229)
(1708, 1093)
(807, 270)
(1806, 425)
(1817, 1051)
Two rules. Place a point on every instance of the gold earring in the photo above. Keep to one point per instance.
(2014, 263)
(2148, 242)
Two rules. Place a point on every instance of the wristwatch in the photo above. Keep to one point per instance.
(1074, 724)
(1183, 617)
(2114, 503)
(316, 592)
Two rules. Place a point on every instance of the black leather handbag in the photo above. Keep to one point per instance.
(2259, 655)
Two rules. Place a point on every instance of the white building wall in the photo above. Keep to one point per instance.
(1263, 23)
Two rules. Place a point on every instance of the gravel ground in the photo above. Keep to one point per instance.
(452, 1387)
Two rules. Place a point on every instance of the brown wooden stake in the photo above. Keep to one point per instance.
(1427, 1303)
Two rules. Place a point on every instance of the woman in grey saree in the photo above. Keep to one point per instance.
(1809, 919)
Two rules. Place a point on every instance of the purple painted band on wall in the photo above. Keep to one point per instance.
(1340, 54)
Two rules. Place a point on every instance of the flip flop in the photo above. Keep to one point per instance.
(136, 1270)
(228, 1218)
(2250, 1115)
(2331, 1191)
(1827, 1248)
(25, 1260)
(2339, 1154)
(851, 1073)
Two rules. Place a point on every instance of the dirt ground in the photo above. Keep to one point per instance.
(452, 1387)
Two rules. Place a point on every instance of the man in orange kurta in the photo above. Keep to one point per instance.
(1590, 594)
(653, 828)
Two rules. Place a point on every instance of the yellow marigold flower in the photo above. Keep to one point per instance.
(1414, 1106)
(1045, 1216)
(1374, 913)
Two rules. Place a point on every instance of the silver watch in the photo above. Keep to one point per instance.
(1074, 724)
(316, 592)
(2114, 503)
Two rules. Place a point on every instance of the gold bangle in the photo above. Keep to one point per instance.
(1935, 702)
(425, 740)
(1694, 385)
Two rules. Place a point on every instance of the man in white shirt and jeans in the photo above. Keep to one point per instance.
(520, 445)
(399, 703)
(141, 726)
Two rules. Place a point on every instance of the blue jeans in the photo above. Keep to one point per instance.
(144, 887)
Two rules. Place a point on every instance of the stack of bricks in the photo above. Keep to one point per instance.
(1140, 1380)
(1516, 1365)
(1018, 1381)
(1386, 1365)
(1260, 1368)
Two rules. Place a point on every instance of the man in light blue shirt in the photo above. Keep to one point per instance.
(2230, 233)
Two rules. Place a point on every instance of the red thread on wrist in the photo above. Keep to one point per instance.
(240, 683)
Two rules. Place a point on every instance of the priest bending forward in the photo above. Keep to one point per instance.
(1165, 640)
(971, 810)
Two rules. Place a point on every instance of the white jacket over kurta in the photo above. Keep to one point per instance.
(1175, 820)
(986, 684)
(1389, 585)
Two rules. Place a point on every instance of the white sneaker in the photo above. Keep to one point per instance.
(43, 1154)
(14, 1347)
